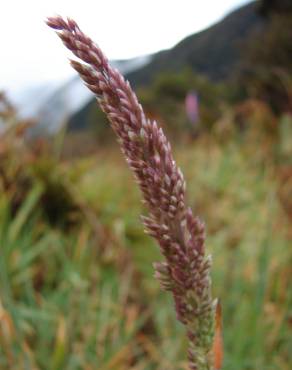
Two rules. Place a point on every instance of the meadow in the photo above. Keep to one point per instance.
(77, 288)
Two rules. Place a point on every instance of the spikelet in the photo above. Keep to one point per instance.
(180, 235)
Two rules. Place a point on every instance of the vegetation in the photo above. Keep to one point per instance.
(75, 295)
(266, 61)
(76, 278)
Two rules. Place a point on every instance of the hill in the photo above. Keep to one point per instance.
(214, 52)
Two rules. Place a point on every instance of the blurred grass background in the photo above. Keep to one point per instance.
(77, 288)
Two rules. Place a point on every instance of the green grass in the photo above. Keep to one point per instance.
(83, 296)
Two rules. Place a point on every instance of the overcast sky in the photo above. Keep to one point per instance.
(30, 52)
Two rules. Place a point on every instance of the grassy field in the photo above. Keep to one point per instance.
(77, 288)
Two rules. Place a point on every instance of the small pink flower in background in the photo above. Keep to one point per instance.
(192, 107)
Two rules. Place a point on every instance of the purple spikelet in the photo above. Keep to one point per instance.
(180, 235)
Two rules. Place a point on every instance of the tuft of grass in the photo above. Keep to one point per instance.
(85, 298)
